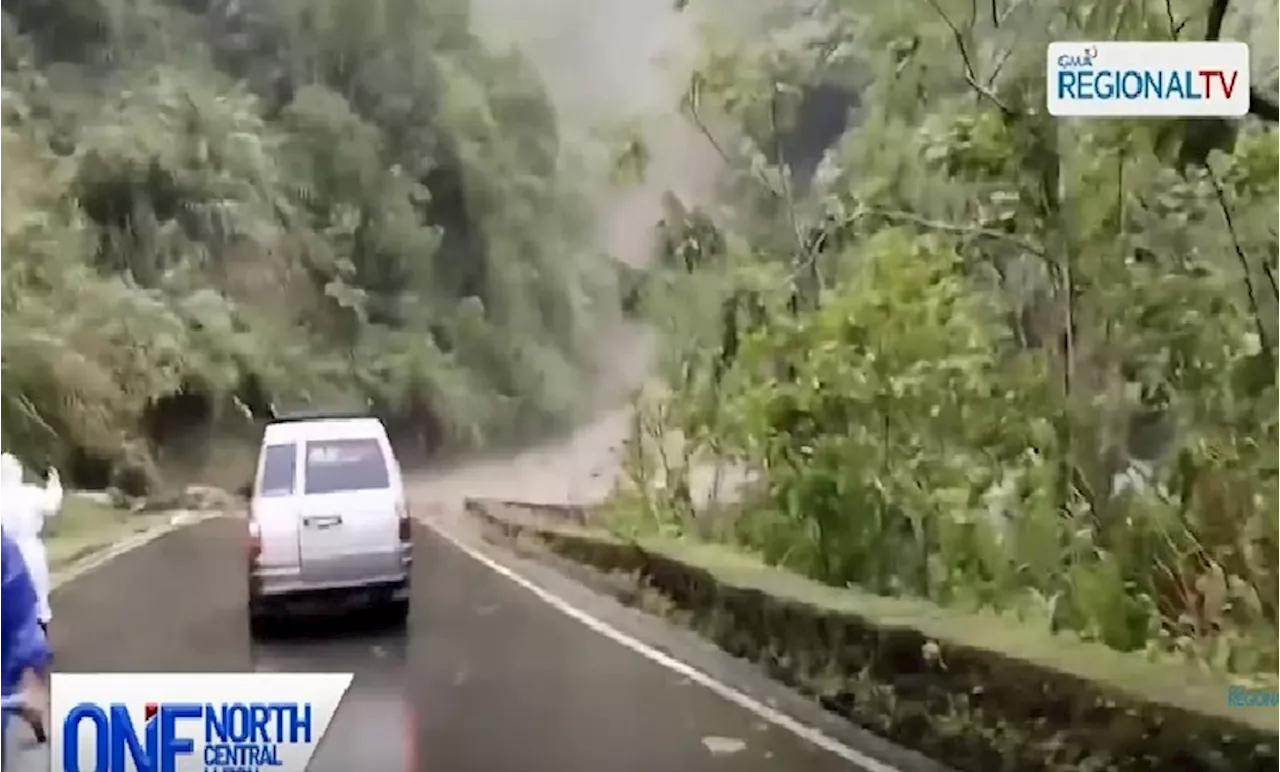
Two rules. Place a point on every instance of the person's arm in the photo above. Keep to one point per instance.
(24, 640)
(28, 648)
(53, 493)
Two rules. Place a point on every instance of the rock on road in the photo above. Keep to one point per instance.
(486, 678)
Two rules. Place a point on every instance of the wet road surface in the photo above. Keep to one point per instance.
(486, 678)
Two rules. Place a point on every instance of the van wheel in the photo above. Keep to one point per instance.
(259, 622)
(398, 613)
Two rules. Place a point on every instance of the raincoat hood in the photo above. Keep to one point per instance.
(10, 470)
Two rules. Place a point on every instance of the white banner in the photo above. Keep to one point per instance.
(190, 722)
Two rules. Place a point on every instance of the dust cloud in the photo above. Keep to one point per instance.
(610, 63)
(606, 63)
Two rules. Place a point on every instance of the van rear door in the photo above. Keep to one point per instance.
(350, 518)
(275, 508)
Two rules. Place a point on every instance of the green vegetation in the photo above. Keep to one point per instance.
(983, 357)
(982, 691)
(213, 207)
(84, 527)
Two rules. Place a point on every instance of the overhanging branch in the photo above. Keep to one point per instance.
(1262, 107)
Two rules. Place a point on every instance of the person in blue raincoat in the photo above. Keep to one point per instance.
(24, 650)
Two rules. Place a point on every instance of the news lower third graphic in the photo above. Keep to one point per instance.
(1146, 79)
(189, 722)
(1245, 697)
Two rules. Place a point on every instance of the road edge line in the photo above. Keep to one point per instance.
(810, 734)
(100, 558)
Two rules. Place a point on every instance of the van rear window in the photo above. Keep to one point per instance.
(336, 466)
(278, 465)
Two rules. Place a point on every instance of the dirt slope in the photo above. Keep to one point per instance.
(578, 468)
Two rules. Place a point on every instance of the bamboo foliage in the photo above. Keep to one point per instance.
(329, 201)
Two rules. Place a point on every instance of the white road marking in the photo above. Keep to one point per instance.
(723, 746)
(101, 558)
(805, 732)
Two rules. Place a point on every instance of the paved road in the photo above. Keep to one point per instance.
(488, 678)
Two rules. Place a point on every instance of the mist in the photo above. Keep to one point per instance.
(609, 63)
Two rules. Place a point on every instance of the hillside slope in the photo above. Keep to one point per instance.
(211, 208)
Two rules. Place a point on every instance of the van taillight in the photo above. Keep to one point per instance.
(255, 541)
(406, 525)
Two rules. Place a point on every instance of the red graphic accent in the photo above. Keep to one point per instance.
(150, 710)
(1228, 85)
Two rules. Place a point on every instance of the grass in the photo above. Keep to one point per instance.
(84, 527)
(1169, 683)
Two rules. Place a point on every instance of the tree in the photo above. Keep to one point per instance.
(1035, 362)
(264, 203)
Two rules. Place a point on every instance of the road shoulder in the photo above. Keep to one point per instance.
(683, 652)
(91, 535)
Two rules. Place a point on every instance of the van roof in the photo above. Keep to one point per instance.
(295, 429)
(314, 414)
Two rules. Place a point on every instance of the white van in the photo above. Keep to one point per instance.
(329, 526)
